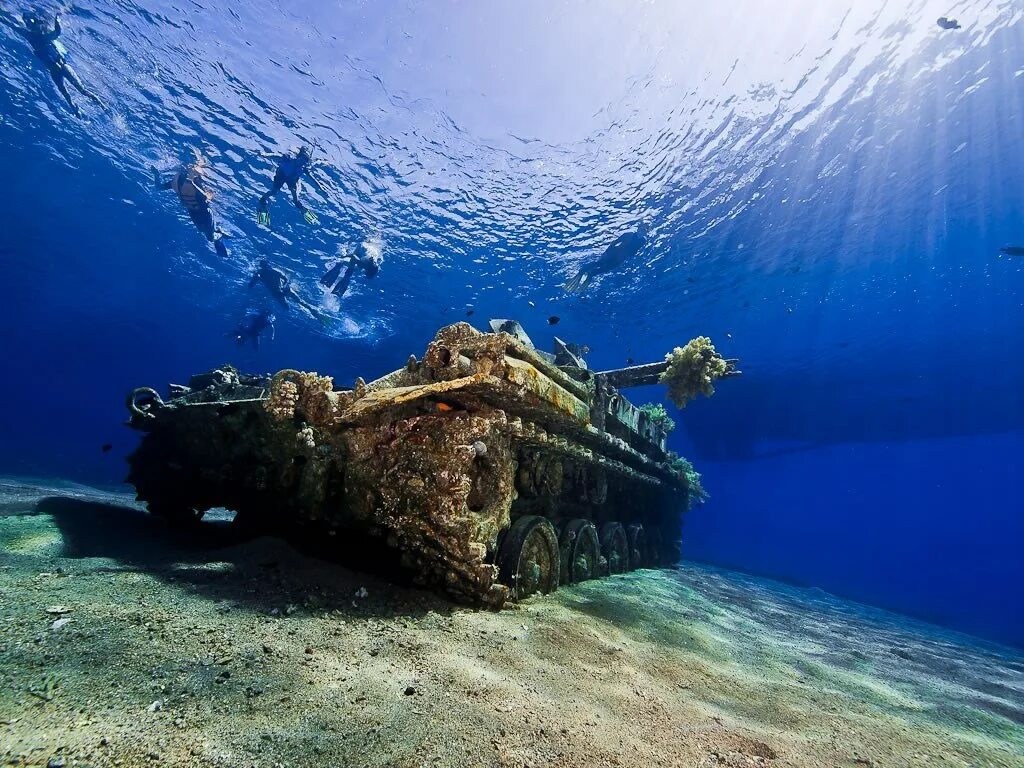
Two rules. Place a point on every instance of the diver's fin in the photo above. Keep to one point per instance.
(310, 217)
(222, 250)
(332, 275)
(263, 217)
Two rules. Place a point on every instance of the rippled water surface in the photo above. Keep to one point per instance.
(826, 186)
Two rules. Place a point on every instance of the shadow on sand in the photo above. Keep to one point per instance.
(222, 562)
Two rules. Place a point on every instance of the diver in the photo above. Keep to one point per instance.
(188, 184)
(366, 257)
(252, 327)
(49, 50)
(625, 247)
(1012, 250)
(291, 167)
(279, 285)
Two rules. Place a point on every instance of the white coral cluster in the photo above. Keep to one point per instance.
(284, 397)
(307, 394)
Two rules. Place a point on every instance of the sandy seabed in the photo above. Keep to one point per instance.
(122, 645)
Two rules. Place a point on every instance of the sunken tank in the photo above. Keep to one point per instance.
(490, 469)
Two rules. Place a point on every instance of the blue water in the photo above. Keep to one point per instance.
(826, 185)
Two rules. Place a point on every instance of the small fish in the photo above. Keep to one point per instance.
(691, 280)
(630, 361)
(553, 320)
(469, 312)
(444, 407)
(106, 447)
(1013, 250)
(947, 23)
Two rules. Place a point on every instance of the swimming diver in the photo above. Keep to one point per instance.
(291, 167)
(49, 50)
(252, 326)
(625, 247)
(279, 285)
(1012, 250)
(187, 183)
(365, 257)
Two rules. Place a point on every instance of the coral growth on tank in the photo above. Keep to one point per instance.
(697, 493)
(693, 370)
(658, 415)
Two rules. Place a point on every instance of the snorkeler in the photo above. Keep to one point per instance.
(625, 247)
(252, 327)
(187, 183)
(279, 285)
(291, 167)
(366, 257)
(49, 50)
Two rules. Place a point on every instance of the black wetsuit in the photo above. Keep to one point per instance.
(290, 169)
(369, 263)
(253, 327)
(49, 50)
(278, 284)
(615, 255)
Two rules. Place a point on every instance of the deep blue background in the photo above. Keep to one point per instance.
(827, 186)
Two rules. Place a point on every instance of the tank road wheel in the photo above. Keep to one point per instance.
(639, 553)
(528, 559)
(581, 552)
(655, 546)
(615, 547)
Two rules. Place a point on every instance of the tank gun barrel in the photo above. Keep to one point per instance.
(634, 375)
(649, 373)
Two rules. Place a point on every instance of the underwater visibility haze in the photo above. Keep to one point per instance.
(831, 191)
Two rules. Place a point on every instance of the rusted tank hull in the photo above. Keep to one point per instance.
(441, 487)
(480, 466)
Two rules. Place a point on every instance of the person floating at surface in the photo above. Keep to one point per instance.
(366, 256)
(49, 50)
(188, 184)
(291, 167)
(625, 247)
(279, 285)
(252, 327)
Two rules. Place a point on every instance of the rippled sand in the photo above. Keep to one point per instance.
(120, 645)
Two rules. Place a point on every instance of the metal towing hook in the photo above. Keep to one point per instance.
(142, 401)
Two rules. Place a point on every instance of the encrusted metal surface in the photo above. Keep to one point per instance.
(436, 458)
